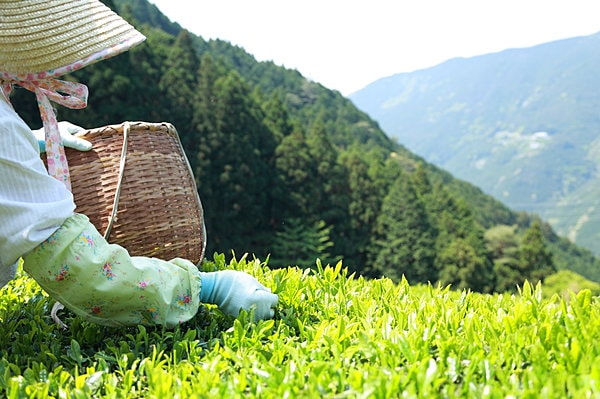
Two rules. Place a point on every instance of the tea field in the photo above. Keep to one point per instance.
(334, 336)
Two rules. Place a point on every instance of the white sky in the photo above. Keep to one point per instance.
(347, 44)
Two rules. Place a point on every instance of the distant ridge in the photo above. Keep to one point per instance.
(522, 124)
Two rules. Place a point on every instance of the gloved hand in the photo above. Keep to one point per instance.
(233, 291)
(67, 130)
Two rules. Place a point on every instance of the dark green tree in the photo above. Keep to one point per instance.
(462, 258)
(464, 268)
(178, 83)
(277, 117)
(503, 244)
(421, 181)
(363, 206)
(294, 167)
(535, 260)
(331, 199)
(403, 242)
(234, 155)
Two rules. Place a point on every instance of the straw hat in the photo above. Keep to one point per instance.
(43, 36)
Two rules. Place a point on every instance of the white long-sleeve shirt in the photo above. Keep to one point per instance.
(33, 205)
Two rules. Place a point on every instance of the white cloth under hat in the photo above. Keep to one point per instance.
(32, 204)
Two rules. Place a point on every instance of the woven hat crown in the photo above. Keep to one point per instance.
(38, 36)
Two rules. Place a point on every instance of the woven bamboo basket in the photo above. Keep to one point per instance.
(137, 188)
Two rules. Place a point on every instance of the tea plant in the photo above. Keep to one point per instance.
(334, 335)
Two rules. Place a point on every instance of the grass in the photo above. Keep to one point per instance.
(334, 336)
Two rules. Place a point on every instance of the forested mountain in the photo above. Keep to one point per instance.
(522, 124)
(287, 168)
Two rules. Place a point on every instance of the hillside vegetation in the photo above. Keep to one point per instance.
(522, 124)
(289, 169)
(334, 335)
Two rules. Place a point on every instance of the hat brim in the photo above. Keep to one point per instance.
(53, 37)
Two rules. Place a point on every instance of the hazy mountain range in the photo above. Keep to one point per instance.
(522, 124)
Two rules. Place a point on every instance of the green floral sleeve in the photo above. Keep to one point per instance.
(104, 284)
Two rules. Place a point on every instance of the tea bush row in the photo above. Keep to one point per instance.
(334, 335)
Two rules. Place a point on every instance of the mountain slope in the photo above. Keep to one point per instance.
(279, 159)
(522, 124)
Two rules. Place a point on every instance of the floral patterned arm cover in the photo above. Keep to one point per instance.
(104, 284)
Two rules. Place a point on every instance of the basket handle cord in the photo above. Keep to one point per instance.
(71, 95)
(115, 208)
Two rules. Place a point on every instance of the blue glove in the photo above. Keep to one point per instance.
(67, 130)
(233, 291)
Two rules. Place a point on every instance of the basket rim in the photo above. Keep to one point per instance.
(120, 127)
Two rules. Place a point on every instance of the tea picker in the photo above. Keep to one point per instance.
(61, 249)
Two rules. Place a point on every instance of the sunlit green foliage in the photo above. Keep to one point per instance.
(566, 282)
(334, 335)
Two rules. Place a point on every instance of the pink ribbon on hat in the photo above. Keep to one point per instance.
(69, 94)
